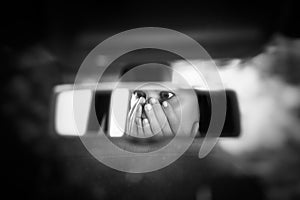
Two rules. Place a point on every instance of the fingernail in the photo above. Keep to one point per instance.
(152, 100)
(145, 121)
(148, 107)
(142, 100)
(165, 104)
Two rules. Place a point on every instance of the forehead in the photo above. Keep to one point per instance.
(142, 86)
(154, 87)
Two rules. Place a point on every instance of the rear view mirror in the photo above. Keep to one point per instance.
(63, 120)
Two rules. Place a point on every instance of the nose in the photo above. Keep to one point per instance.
(152, 94)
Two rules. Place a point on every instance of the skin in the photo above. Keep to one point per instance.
(164, 118)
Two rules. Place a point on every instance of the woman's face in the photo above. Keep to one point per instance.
(160, 95)
(183, 101)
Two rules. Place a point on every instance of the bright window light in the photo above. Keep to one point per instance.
(64, 114)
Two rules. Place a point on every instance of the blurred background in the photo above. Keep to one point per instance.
(256, 45)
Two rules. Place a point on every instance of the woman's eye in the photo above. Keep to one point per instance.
(165, 95)
(139, 94)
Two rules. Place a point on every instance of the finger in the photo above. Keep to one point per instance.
(146, 128)
(129, 124)
(171, 116)
(140, 131)
(154, 124)
(134, 130)
(161, 117)
(138, 121)
(133, 104)
(133, 113)
(133, 127)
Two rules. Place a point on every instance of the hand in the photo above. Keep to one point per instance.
(164, 120)
(161, 120)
